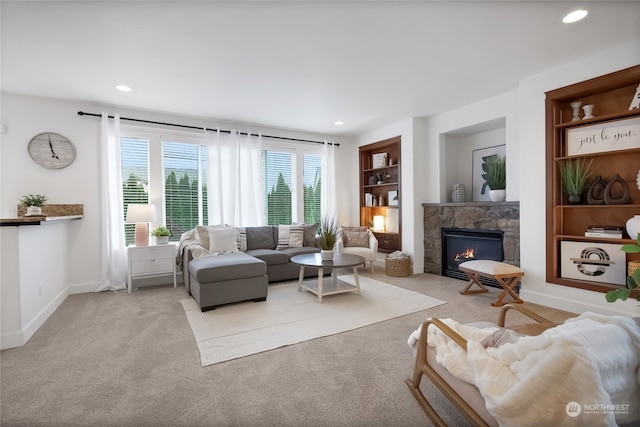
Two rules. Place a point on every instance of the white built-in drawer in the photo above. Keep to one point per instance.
(152, 266)
(151, 253)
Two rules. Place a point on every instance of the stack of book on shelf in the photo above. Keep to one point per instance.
(604, 231)
(368, 199)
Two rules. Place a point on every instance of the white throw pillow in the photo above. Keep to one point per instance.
(202, 231)
(290, 236)
(242, 239)
(223, 239)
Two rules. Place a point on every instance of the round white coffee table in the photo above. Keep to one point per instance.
(322, 287)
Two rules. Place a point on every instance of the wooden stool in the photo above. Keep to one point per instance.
(506, 274)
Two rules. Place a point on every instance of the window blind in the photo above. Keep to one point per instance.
(185, 192)
(134, 153)
(277, 173)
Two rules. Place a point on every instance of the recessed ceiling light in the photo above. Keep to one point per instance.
(574, 16)
(123, 88)
(338, 123)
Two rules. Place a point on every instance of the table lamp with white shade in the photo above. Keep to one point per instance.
(141, 215)
(378, 223)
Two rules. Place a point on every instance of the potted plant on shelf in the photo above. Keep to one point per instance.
(161, 234)
(496, 177)
(574, 174)
(633, 279)
(34, 203)
(327, 237)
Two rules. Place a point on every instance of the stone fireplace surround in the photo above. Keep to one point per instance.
(504, 216)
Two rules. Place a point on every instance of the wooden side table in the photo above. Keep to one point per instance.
(151, 261)
(506, 274)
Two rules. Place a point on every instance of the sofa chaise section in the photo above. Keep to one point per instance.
(228, 278)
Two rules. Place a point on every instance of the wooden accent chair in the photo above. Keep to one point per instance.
(464, 396)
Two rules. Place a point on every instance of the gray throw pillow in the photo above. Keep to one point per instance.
(345, 229)
(356, 239)
(260, 237)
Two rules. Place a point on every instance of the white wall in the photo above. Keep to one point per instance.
(35, 272)
(532, 172)
(26, 116)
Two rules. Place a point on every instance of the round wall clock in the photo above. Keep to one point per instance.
(52, 150)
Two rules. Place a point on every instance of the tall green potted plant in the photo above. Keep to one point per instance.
(496, 177)
(327, 237)
(574, 174)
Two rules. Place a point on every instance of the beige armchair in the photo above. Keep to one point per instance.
(358, 241)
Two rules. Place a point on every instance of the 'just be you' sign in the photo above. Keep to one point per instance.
(602, 137)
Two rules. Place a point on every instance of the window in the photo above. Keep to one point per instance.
(277, 171)
(312, 188)
(185, 189)
(134, 153)
(171, 170)
(281, 183)
(180, 168)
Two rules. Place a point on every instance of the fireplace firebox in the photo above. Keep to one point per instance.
(463, 244)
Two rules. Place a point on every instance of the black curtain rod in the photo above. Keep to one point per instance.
(82, 113)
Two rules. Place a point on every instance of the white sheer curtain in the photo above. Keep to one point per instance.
(113, 265)
(234, 179)
(329, 204)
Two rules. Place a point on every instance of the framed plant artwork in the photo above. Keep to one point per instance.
(480, 189)
(393, 198)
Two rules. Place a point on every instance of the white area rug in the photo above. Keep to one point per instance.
(289, 317)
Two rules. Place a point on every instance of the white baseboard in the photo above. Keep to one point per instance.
(11, 340)
(630, 308)
(19, 338)
(83, 288)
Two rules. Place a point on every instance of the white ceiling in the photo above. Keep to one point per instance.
(294, 64)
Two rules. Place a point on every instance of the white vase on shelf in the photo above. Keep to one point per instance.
(458, 193)
(633, 226)
(575, 106)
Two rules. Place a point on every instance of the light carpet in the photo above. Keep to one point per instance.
(289, 317)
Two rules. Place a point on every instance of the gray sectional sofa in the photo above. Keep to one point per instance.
(245, 275)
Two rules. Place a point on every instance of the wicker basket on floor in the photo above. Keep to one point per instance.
(397, 267)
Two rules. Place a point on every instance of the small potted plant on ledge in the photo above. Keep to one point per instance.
(327, 237)
(161, 234)
(496, 177)
(34, 203)
(574, 174)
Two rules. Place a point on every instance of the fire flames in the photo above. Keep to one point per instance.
(467, 254)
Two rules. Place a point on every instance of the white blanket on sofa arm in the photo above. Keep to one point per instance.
(592, 360)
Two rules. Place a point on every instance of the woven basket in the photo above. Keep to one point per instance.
(397, 267)
(632, 266)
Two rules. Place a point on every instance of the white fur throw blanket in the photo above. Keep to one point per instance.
(190, 240)
(592, 360)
